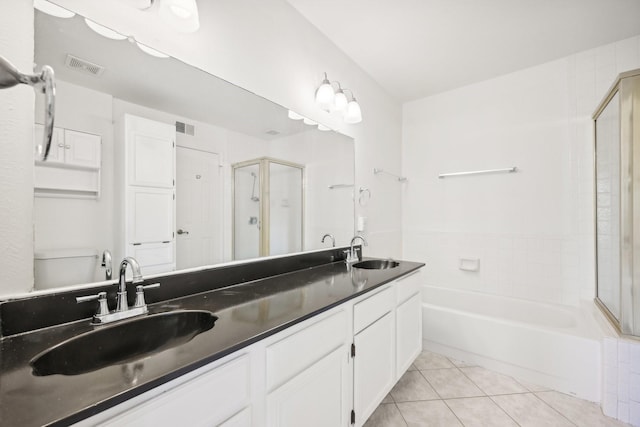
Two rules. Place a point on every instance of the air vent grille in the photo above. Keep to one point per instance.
(185, 128)
(84, 66)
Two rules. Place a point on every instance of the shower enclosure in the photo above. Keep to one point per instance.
(268, 208)
(617, 184)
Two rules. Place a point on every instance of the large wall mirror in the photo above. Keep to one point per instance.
(98, 189)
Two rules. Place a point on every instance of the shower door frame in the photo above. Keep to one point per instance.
(627, 87)
(263, 207)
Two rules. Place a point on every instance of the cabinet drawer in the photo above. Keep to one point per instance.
(371, 309)
(293, 354)
(407, 286)
(206, 400)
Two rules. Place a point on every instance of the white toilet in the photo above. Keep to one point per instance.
(63, 267)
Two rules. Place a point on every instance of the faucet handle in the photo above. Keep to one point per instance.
(101, 297)
(140, 302)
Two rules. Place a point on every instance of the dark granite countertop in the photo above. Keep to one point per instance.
(246, 312)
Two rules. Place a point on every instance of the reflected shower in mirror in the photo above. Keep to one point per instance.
(107, 188)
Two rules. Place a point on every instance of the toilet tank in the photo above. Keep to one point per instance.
(64, 267)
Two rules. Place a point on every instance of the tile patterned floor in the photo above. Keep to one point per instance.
(443, 392)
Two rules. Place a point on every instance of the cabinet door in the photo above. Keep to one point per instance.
(315, 398)
(373, 366)
(82, 149)
(408, 333)
(150, 152)
(151, 215)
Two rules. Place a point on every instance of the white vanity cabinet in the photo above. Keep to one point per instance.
(373, 352)
(408, 321)
(217, 394)
(307, 375)
(333, 369)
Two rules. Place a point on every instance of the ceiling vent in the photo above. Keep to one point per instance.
(83, 66)
(185, 128)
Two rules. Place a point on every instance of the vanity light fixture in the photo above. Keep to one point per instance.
(180, 14)
(309, 122)
(150, 51)
(325, 95)
(294, 116)
(104, 31)
(332, 100)
(354, 113)
(52, 9)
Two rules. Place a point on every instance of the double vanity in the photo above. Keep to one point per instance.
(305, 339)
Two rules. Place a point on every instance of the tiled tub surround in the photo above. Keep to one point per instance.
(556, 346)
(299, 286)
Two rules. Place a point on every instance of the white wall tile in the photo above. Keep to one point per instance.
(610, 405)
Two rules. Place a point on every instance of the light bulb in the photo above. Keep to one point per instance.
(354, 114)
(309, 122)
(104, 31)
(151, 51)
(180, 14)
(325, 95)
(294, 116)
(340, 101)
(323, 127)
(52, 9)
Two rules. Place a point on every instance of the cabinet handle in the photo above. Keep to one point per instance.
(67, 146)
(61, 145)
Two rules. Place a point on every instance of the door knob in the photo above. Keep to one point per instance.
(181, 231)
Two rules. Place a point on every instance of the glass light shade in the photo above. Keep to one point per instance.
(309, 122)
(354, 114)
(323, 127)
(180, 14)
(294, 116)
(52, 9)
(340, 101)
(325, 95)
(150, 51)
(104, 31)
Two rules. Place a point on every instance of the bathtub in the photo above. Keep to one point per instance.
(556, 347)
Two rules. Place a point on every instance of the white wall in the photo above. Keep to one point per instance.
(16, 161)
(532, 230)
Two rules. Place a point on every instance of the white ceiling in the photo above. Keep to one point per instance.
(416, 48)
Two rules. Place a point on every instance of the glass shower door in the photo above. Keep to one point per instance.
(246, 211)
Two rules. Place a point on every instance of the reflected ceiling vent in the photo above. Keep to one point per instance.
(83, 66)
(272, 132)
(185, 128)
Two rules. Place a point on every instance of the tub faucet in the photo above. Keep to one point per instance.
(352, 255)
(333, 239)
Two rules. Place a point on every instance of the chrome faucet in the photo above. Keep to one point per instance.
(122, 283)
(107, 264)
(352, 255)
(333, 239)
(122, 310)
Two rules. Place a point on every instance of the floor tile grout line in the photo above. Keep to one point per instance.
(453, 412)
(431, 385)
(401, 414)
(473, 382)
(556, 410)
(504, 410)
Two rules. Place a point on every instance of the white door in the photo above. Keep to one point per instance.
(198, 208)
(151, 152)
